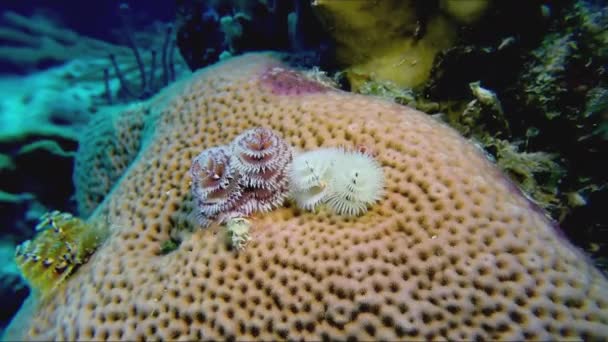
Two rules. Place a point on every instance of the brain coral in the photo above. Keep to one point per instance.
(453, 250)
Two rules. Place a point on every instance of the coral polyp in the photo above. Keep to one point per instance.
(63, 243)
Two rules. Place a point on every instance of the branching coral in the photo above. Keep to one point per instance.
(30, 41)
(148, 86)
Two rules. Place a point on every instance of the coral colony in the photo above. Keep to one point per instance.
(257, 172)
(453, 251)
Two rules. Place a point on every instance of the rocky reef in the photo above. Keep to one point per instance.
(532, 93)
(54, 81)
(112, 131)
(454, 250)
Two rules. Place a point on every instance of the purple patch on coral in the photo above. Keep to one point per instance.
(283, 81)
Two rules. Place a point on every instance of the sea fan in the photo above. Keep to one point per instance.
(215, 183)
(357, 182)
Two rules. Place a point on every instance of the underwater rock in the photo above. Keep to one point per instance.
(547, 68)
(453, 251)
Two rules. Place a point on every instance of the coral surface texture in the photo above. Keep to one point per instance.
(451, 251)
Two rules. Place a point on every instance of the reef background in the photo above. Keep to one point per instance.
(525, 80)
